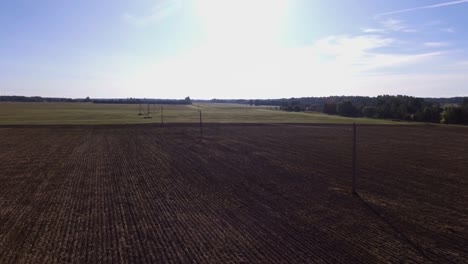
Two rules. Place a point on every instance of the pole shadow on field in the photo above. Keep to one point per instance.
(370, 208)
(395, 228)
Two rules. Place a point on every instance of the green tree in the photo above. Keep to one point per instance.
(369, 111)
(464, 110)
(429, 114)
(453, 115)
(346, 108)
(329, 108)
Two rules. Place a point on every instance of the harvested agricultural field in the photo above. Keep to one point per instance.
(245, 194)
(106, 114)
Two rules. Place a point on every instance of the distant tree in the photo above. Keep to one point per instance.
(295, 102)
(329, 108)
(401, 111)
(251, 102)
(369, 111)
(383, 106)
(188, 100)
(465, 114)
(346, 108)
(429, 114)
(453, 115)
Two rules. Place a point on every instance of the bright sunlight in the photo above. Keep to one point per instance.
(241, 22)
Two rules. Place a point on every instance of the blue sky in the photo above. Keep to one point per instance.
(233, 49)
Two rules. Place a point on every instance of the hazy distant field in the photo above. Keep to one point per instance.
(88, 113)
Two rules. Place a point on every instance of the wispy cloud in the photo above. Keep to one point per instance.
(396, 25)
(423, 7)
(159, 12)
(448, 30)
(393, 24)
(390, 25)
(373, 30)
(439, 26)
(362, 54)
(437, 44)
(343, 45)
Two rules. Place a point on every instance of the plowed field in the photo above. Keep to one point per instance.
(246, 193)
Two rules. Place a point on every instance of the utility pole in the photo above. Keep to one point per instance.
(162, 115)
(354, 159)
(201, 126)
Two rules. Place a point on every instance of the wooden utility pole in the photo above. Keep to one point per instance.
(354, 159)
(201, 126)
(149, 116)
(162, 115)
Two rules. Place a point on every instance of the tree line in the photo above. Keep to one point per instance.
(186, 101)
(400, 107)
(39, 99)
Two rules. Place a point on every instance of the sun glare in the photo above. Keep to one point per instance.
(241, 22)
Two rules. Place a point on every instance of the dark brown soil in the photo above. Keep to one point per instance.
(254, 194)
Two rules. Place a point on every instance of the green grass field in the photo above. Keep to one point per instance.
(88, 113)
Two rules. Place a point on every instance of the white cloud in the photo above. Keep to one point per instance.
(393, 25)
(437, 44)
(448, 30)
(350, 46)
(164, 9)
(360, 54)
(422, 8)
(390, 25)
(373, 30)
